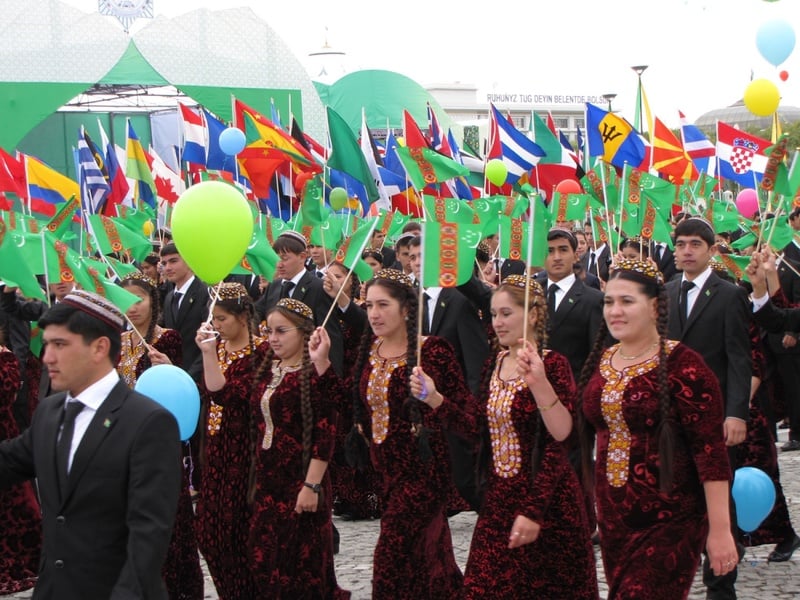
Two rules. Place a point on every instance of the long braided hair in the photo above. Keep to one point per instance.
(399, 287)
(651, 283)
(300, 316)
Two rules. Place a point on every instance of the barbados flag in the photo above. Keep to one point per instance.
(48, 188)
(613, 138)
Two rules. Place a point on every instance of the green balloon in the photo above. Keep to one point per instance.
(338, 198)
(496, 171)
(212, 227)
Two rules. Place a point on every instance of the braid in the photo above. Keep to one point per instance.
(585, 431)
(411, 405)
(666, 426)
(305, 402)
(356, 446)
(540, 335)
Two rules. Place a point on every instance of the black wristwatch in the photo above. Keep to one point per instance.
(314, 487)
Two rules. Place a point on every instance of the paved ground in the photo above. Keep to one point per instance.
(757, 579)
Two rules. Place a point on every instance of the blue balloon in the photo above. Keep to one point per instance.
(232, 141)
(175, 390)
(754, 494)
(775, 41)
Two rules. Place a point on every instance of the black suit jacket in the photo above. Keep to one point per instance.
(309, 291)
(456, 320)
(602, 262)
(666, 264)
(250, 283)
(107, 534)
(717, 329)
(573, 327)
(192, 313)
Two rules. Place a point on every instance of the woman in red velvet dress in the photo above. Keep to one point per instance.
(405, 440)
(182, 573)
(223, 512)
(662, 471)
(294, 401)
(20, 521)
(532, 540)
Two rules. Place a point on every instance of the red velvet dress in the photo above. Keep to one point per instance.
(20, 522)
(651, 541)
(182, 573)
(291, 553)
(223, 514)
(560, 563)
(414, 555)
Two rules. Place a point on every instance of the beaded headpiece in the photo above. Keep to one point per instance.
(297, 307)
(702, 220)
(96, 306)
(483, 246)
(634, 240)
(718, 266)
(519, 281)
(295, 236)
(372, 251)
(394, 275)
(646, 269)
(230, 290)
(139, 276)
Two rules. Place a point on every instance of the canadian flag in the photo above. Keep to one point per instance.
(169, 185)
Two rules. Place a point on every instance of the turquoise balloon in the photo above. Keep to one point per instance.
(754, 494)
(775, 41)
(174, 389)
(212, 227)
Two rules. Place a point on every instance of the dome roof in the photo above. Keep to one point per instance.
(739, 115)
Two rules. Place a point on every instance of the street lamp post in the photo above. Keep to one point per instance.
(639, 69)
(608, 98)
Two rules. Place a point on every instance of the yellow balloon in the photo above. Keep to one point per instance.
(762, 97)
(148, 228)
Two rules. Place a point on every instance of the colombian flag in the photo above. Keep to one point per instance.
(48, 188)
(613, 138)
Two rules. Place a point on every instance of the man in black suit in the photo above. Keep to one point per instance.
(185, 307)
(293, 280)
(574, 309)
(711, 316)
(664, 259)
(597, 260)
(106, 459)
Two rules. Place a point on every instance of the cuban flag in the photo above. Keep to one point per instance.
(195, 135)
(518, 153)
(697, 146)
(741, 156)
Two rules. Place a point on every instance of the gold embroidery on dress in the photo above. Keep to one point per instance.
(132, 351)
(611, 405)
(278, 373)
(378, 391)
(506, 454)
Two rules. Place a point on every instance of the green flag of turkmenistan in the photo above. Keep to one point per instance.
(60, 223)
(349, 253)
(448, 253)
(112, 237)
(425, 166)
(346, 155)
(14, 271)
(448, 210)
(259, 258)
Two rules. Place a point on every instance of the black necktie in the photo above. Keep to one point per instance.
(71, 410)
(659, 252)
(176, 304)
(683, 304)
(591, 262)
(551, 298)
(426, 320)
(286, 288)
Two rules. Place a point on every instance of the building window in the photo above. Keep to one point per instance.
(561, 122)
(520, 122)
(579, 122)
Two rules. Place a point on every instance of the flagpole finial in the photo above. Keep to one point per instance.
(608, 98)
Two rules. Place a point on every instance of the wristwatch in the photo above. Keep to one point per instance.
(314, 487)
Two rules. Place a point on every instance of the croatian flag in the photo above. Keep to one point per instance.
(741, 156)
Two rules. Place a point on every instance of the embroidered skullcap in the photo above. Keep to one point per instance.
(297, 307)
(295, 236)
(640, 267)
(230, 290)
(394, 275)
(96, 306)
(138, 276)
(519, 281)
(560, 230)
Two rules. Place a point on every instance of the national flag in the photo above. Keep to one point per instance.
(358, 198)
(317, 150)
(120, 191)
(776, 176)
(14, 270)
(697, 145)
(112, 237)
(742, 156)
(390, 159)
(92, 272)
(736, 265)
(137, 168)
(47, 187)
(260, 131)
(12, 175)
(274, 115)
(412, 133)
(558, 163)
(439, 140)
(551, 123)
(569, 207)
(517, 152)
(513, 234)
(60, 223)
(613, 138)
(215, 157)
(448, 210)
(370, 151)
(195, 135)
(351, 249)
(259, 258)
(346, 154)
(669, 156)
(425, 166)
(448, 253)
(94, 186)
(169, 184)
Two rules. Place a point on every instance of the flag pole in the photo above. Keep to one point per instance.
(421, 293)
(528, 260)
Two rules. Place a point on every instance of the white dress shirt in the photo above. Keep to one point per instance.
(562, 287)
(692, 294)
